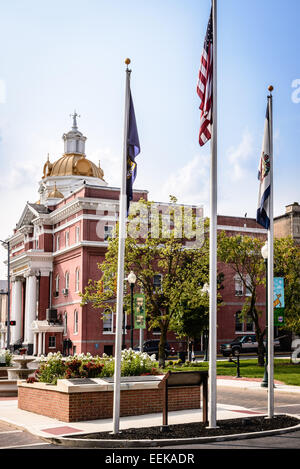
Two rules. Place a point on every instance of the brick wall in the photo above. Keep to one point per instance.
(74, 407)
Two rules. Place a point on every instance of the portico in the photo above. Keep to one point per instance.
(39, 330)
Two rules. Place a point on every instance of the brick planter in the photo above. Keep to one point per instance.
(71, 402)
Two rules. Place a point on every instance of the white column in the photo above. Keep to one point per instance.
(44, 342)
(40, 340)
(34, 343)
(30, 307)
(16, 310)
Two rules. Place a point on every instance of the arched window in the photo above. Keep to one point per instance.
(75, 321)
(77, 234)
(56, 285)
(77, 279)
(238, 286)
(57, 242)
(108, 321)
(67, 280)
(67, 238)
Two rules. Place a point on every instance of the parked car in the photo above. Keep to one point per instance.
(243, 344)
(151, 347)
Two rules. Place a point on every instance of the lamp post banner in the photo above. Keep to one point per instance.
(278, 292)
(139, 311)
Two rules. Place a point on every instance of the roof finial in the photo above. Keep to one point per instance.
(74, 116)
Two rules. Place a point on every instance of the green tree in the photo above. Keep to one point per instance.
(243, 254)
(183, 270)
(287, 265)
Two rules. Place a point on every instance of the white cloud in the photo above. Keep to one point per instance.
(190, 183)
(238, 155)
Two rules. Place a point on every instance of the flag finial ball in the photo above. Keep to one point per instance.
(127, 61)
(271, 88)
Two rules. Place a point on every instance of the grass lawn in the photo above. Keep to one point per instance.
(284, 370)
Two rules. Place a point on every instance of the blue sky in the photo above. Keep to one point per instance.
(64, 55)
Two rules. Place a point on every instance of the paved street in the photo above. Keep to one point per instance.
(256, 400)
(253, 399)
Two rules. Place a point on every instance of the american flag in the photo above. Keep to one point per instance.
(204, 86)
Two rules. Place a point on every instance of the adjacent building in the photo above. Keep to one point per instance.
(57, 245)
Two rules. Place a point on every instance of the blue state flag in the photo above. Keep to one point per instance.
(133, 149)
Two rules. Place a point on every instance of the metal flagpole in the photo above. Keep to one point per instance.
(271, 271)
(213, 241)
(121, 254)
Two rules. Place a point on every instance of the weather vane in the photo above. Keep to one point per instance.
(74, 116)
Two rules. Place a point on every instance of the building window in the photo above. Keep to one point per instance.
(77, 276)
(67, 238)
(238, 322)
(65, 323)
(75, 321)
(77, 234)
(248, 286)
(108, 321)
(238, 286)
(56, 285)
(67, 281)
(52, 342)
(57, 242)
(107, 232)
(157, 280)
(249, 324)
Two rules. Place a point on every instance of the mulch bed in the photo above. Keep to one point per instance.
(198, 429)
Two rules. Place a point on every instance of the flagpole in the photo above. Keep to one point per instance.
(121, 255)
(271, 271)
(213, 241)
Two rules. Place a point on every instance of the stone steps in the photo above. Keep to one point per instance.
(8, 388)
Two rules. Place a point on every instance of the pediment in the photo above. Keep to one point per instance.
(30, 212)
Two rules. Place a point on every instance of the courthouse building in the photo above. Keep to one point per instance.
(56, 246)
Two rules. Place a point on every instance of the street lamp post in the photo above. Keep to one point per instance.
(205, 290)
(264, 253)
(8, 293)
(131, 279)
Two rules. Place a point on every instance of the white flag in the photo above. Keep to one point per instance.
(264, 176)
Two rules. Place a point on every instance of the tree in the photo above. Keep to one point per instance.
(243, 254)
(183, 271)
(287, 265)
(192, 318)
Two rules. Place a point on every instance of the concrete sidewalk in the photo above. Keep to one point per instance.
(42, 426)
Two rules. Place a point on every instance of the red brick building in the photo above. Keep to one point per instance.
(55, 249)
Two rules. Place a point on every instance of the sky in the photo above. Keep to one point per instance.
(63, 55)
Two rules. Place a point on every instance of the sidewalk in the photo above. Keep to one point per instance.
(46, 427)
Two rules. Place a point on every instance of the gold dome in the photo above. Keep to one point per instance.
(73, 164)
(55, 194)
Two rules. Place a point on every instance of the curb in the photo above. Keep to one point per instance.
(93, 443)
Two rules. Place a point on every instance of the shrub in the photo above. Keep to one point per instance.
(51, 368)
(6, 356)
(54, 366)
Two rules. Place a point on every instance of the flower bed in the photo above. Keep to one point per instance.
(81, 388)
(55, 366)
